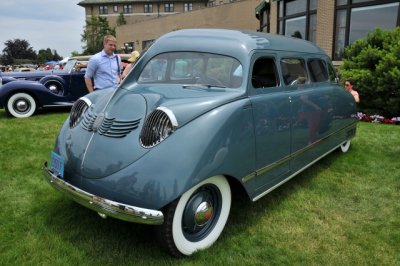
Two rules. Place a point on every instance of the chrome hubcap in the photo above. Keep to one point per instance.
(53, 88)
(21, 105)
(203, 213)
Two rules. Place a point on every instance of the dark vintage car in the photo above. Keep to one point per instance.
(22, 93)
(202, 113)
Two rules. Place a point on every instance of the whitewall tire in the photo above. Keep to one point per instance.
(345, 146)
(21, 105)
(196, 220)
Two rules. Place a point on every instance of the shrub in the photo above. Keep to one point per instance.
(374, 65)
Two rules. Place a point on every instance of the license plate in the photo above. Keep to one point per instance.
(57, 164)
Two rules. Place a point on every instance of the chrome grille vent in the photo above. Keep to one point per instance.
(88, 120)
(109, 127)
(159, 125)
(78, 109)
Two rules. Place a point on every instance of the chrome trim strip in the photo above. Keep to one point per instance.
(271, 166)
(86, 149)
(294, 174)
(86, 100)
(59, 105)
(104, 207)
(170, 114)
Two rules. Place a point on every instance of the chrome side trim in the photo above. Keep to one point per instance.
(295, 154)
(104, 207)
(59, 105)
(294, 174)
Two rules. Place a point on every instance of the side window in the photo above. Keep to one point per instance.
(332, 73)
(264, 73)
(294, 71)
(318, 71)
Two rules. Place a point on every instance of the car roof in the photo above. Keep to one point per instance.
(230, 42)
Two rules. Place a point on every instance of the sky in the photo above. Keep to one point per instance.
(54, 24)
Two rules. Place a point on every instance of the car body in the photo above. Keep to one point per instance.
(203, 111)
(22, 93)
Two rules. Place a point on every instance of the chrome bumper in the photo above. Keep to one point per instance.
(103, 206)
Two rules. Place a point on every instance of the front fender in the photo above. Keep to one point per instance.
(36, 89)
(45, 80)
(218, 142)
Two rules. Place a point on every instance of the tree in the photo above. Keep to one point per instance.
(94, 31)
(17, 49)
(45, 55)
(121, 19)
(374, 65)
(74, 53)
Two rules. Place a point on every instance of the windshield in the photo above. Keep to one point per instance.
(192, 68)
(69, 65)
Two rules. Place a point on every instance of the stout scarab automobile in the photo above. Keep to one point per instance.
(202, 112)
(22, 93)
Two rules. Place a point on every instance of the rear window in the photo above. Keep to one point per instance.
(318, 70)
(193, 68)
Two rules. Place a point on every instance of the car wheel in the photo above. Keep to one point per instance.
(54, 86)
(196, 220)
(21, 105)
(345, 146)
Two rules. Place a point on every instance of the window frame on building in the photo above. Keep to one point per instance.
(169, 7)
(293, 11)
(103, 9)
(343, 18)
(148, 8)
(127, 9)
(188, 6)
(115, 8)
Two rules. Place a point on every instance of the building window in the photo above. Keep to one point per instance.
(296, 27)
(187, 7)
(148, 8)
(127, 9)
(353, 21)
(115, 9)
(298, 19)
(146, 44)
(265, 23)
(385, 16)
(103, 10)
(168, 7)
(312, 29)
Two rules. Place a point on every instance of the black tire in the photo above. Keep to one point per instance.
(21, 105)
(196, 220)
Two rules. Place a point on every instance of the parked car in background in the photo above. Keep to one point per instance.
(202, 113)
(22, 93)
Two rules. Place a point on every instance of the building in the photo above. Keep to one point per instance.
(135, 11)
(139, 31)
(331, 24)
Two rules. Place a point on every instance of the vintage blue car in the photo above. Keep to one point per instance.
(203, 113)
(22, 93)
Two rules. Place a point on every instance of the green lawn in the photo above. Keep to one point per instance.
(344, 210)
